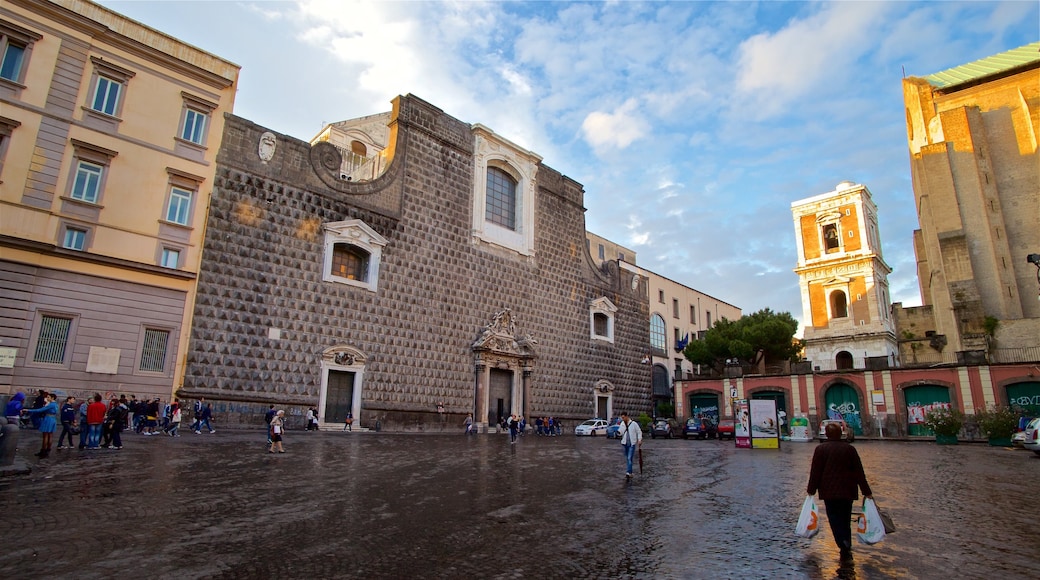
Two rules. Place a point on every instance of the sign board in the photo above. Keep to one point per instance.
(103, 360)
(7, 356)
(733, 392)
(765, 427)
(877, 397)
(742, 426)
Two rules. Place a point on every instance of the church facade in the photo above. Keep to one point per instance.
(451, 279)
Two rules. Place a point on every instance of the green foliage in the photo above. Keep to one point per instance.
(763, 334)
(990, 325)
(998, 422)
(947, 422)
(666, 410)
(644, 420)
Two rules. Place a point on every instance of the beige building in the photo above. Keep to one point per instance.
(678, 314)
(109, 132)
(973, 132)
(602, 250)
(843, 280)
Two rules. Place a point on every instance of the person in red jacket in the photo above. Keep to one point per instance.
(96, 412)
(837, 472)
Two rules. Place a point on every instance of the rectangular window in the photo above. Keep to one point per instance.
(11, 65)
(601, 252)
(153, 351)
(693, 314)
(53, 340)
(106, 95)
(660, 296)
(171, 258)
(194, 126)
(87, 183)
(74, 239)
(675, 308)
(621, 256)
(179, 210)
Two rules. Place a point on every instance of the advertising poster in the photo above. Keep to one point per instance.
(742, 426)
(765, 428)
(800, 429)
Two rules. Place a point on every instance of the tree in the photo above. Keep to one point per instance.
(762, 335)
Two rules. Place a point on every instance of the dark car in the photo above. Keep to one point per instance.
(726, 429)
(701, 428)
(663, 428)
(614, 428)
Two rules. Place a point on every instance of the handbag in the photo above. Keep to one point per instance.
(870, 529)
(885, 519)
(809, 519)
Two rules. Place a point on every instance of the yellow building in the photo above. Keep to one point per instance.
(843, 280)
(109, 132)
(972, 133)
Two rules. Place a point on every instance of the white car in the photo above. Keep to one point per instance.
(592, 427)
(1032, 440)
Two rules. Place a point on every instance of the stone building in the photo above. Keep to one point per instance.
(454, 280)
(843, 280)
(109, 132)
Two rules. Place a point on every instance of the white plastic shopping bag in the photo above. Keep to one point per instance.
(870, 528)
(809, 520)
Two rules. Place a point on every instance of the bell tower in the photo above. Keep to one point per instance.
(843, 281)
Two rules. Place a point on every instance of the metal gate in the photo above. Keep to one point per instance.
(919, 400)
(842, 402)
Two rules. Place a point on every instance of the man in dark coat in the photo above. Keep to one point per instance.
(837, 472)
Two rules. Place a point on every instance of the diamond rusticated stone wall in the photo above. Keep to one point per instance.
(438, 286)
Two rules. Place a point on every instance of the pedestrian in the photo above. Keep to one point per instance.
(837, 472)
(84, 427)
(13, 411)
(277, 428)
(514, 428)
(469, 423)
(175, 419)
(115, 421)
(38, 403)
(631, 440)
(196, 413)
(310, 420)
(207, 412)
(68, 423)
(267, 420)
(46, 415)
(314, 420)
(348, 422)
(96, 412)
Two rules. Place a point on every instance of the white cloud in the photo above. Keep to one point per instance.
(614, 130)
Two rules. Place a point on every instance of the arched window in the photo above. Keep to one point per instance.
(839, 305)
(657, 334)
(358, 148)
(831, 241)
(350, 262)
(500, 207)
(843, 361)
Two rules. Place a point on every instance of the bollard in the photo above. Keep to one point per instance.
(8, 441)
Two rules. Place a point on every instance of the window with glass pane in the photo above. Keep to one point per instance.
(75, 239)
(601, 324)
(350, 262)
(171, 258)
(106, 95)
(180, 206)
(88, 182)
(501, 198)
(194, 126)
(53, 340)
(11, 66)
(153, 351)
(657, 333)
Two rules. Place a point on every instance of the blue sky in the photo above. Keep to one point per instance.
(692, 125)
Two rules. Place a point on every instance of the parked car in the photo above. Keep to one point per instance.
(1018, 438)
(614, 428)
(1032, 440)
(726, 429)
(663, 428)
(846, 432)
(696, 428)
(592, 427)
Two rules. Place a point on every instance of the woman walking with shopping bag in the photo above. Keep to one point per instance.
(836, 473)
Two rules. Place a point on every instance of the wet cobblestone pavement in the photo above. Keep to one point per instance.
(367, 505)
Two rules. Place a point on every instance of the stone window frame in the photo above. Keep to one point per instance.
(7, 127)
(198, 106)
(171, 340)
(83, 152)
(12, 34)
(70, 339)
(360, 235)
(495, 151)
(164, 250)
(68, 226)
(113, 73)
(185, 182)
(602, 307)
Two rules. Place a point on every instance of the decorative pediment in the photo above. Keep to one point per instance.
(344, 356)
(604, 386)
(500, 336)
(828, 216)
(603, 304)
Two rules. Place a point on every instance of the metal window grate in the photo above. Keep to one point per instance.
(153, 352)
(54, 336)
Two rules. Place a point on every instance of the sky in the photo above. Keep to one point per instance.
(691, 125)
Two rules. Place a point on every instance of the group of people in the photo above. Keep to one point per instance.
(100, 425)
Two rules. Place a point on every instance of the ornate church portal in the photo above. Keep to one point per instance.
(503, 362)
